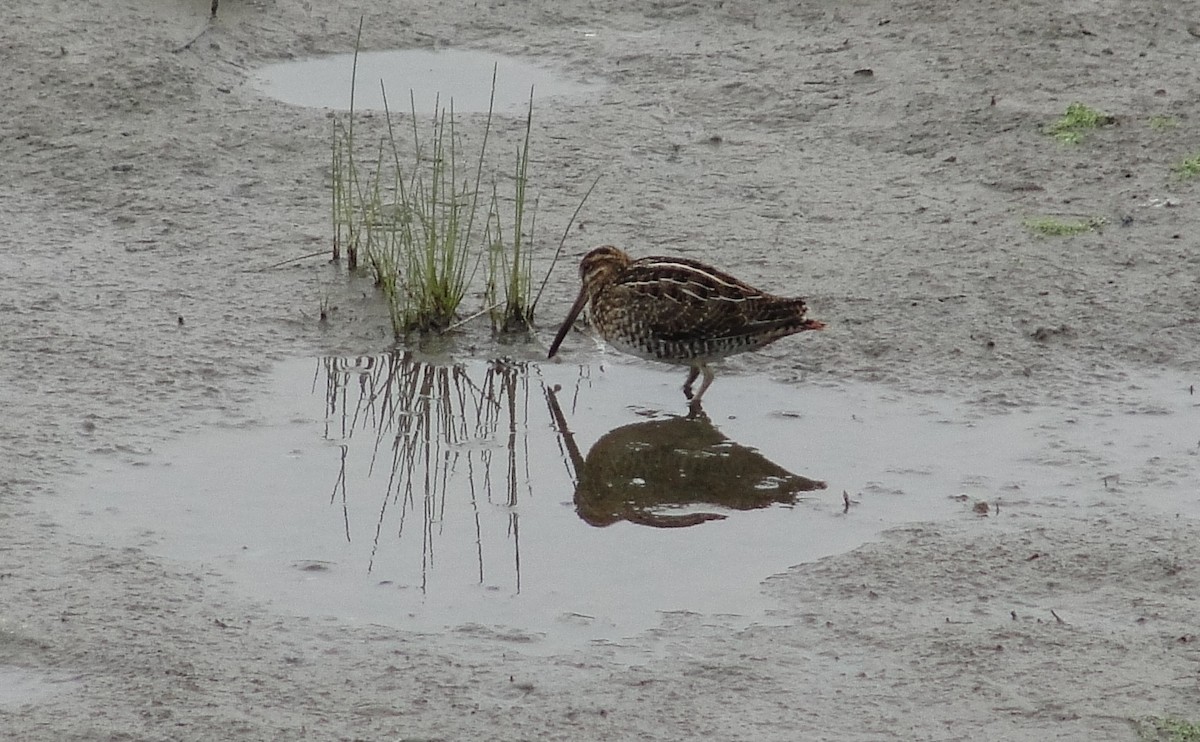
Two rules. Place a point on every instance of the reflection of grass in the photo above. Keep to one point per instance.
(440, 425)
(1072, 126)
(1048, 226)
(1168, 729)
(1189, 167)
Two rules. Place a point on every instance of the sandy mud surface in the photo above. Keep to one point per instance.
(146, 186)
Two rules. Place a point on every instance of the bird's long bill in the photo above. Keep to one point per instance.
(576, 308)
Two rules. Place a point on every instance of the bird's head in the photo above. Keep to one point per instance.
(600, 266)
(597, 269)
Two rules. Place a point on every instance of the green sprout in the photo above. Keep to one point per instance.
(1079, 119)
(1168, 729)
(1048, 226)
(1189, 167)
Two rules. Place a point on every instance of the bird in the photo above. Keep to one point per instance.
(679, 311)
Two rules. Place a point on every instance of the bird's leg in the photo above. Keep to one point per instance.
(708, 379)
(693, 372)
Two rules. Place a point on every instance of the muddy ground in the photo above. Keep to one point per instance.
(146, 187)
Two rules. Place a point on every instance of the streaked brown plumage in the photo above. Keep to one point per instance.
(679, 311)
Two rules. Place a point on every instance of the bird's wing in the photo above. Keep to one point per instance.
(677, 299)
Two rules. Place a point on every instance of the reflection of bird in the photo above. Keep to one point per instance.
(651, 473)
(679, 311)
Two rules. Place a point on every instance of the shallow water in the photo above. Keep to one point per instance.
(461, 76)
(20, 686)
(564, 503)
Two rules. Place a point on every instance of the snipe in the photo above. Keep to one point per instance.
(679, 311)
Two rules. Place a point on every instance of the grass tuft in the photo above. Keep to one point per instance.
(1073, 126)
(510, 250)
(1168, 729)
(424, 222)
(1160, 123)
(411, 213)
(1189, 167)
(1048, 226)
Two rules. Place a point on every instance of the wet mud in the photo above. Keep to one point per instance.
(175, 561)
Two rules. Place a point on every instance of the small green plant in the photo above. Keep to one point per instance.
(437, 240)
(510, 259)
(1048, 226)
(1163, 122)
(1189, 167)
(421, 219)
(1168, 729)
(412, 216)
(1079, 119)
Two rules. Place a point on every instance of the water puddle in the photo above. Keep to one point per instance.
(568, 503)
(19, 686)
(461, 75)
